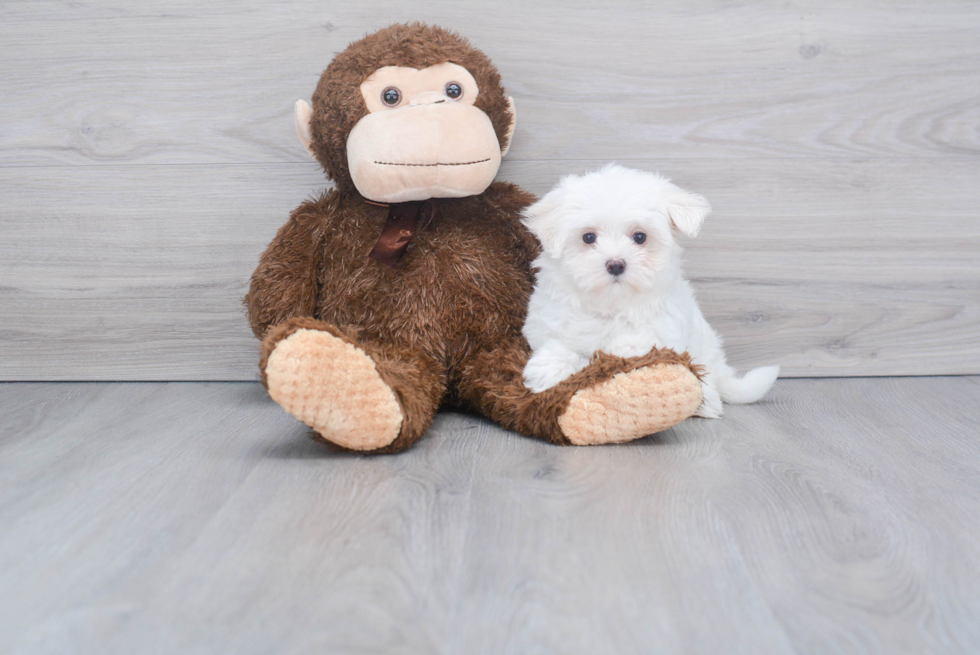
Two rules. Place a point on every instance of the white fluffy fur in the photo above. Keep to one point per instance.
(579, 308)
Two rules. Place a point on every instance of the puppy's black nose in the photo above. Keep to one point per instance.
(615, 266)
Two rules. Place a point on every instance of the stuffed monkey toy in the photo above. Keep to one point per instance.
(405, 287)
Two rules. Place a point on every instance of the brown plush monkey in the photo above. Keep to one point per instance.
(406, 286)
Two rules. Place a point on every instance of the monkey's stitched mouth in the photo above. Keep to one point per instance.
(462, 163)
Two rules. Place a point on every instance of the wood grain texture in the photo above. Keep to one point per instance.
(833, 517)
(147, 155)
(180, 82)
(827, 268)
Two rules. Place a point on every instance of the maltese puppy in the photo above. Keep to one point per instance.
(609, 278)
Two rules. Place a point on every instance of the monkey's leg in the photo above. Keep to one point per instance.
(356, 394)
(612, 400)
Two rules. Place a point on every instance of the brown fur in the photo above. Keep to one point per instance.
(444, 325)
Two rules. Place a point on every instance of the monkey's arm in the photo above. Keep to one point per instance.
(285, 284)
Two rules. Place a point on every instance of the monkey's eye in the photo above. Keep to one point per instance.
(589, 237)
(454, 91)
(391, 96)
(639, 237)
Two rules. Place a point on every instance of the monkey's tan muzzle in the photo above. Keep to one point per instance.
(399, 156)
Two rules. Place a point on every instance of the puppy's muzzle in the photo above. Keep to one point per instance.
(616, 267)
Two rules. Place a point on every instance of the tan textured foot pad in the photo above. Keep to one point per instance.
(631, 405)
(333, 387)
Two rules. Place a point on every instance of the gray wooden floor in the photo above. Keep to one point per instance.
(838, 516)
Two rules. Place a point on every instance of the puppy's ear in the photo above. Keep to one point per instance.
(687, 211)
(543, 218)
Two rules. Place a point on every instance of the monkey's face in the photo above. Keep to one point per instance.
(423, 137)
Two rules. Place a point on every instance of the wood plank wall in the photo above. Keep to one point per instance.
(147, 157)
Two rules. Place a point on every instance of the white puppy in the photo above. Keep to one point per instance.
(610, 279)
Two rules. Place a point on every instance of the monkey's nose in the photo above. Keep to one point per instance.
(615, 266)
(426, 98)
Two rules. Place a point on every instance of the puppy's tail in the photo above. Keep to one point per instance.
(748, 388)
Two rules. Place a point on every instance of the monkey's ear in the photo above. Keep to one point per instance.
(687, 211)
(513, 123)
(304, 113)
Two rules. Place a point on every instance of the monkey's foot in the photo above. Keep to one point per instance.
(631, 405)
(333, 387)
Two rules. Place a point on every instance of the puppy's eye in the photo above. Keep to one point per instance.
(589, 237)
(391, 96)
(640, 237)
(454, 91)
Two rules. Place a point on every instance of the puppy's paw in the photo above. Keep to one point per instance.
(543, 371)
(627, 348)
(711, 405)
(540, 375)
